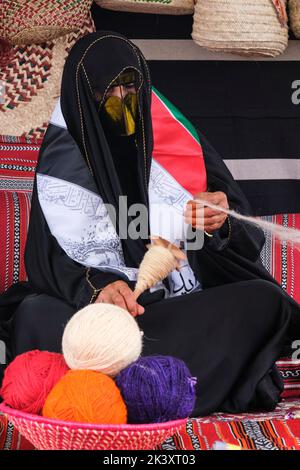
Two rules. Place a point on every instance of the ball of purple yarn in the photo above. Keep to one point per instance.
(157, 389)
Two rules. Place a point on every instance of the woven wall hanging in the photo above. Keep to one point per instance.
(32, 79)
(38, 21)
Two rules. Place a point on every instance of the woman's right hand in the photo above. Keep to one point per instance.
(119, 293)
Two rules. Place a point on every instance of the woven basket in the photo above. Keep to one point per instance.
(50, 434)
(37, 21)
(294, 14)
(168, 7)
(245, 27)
(32, 79)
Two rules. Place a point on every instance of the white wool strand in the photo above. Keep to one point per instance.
(288, 234)
(157, 263)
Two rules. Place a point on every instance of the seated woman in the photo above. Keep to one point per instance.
(222, 312)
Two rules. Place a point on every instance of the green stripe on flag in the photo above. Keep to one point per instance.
(178, 115)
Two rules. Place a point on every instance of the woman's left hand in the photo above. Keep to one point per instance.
(205, 218)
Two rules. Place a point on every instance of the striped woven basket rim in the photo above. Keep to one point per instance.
(7, 411)
(174, 7)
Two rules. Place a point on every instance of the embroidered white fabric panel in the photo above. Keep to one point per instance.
(167, 202)
(79, 221)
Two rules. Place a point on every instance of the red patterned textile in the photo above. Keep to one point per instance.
(18, 160)
(279, 430)
(10, 438)
(281, 259)
(270, 434)
(14, 219)
(290, 372)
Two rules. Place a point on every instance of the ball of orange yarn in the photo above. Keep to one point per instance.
(86, 396)
(30, 377)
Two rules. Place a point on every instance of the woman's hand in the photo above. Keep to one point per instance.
(205, 218)
(119, 293)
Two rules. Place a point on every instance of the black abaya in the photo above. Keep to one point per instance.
(227, 336)
(230, 334)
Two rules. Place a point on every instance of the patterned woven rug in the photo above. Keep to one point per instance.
(279, 430)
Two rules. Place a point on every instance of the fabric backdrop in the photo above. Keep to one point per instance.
(249, 110)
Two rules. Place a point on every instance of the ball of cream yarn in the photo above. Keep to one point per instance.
(101, 337)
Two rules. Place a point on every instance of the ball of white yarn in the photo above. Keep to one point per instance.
(101, 337)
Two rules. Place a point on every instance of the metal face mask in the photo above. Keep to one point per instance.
(118, 109)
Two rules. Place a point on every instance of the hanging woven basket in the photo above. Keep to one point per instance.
(32, 77)
(251, 28)
(37, 21)
(294, 14)
(168, 7)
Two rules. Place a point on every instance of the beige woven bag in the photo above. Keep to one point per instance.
(294, 13)
(245, 27)
(168, 7)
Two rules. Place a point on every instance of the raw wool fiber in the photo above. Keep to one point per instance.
(290, 235)
(101, 337)
(161, 258)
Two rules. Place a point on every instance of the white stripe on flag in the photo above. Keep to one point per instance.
(291, 386)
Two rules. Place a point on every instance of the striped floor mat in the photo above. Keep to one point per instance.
(279, 430)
